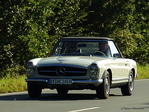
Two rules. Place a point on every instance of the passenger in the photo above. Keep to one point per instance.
(72, 48)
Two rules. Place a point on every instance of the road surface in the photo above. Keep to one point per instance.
(78, 101)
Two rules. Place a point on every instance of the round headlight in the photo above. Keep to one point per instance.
(30, 68)
(93, 71)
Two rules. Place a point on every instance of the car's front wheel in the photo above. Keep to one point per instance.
(103, 90)
(129, 87)
(34, 90)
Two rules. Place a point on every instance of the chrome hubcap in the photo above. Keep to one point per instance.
(107, 85)
(131, 82)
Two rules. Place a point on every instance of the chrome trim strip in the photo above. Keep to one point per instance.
(88, 81)
(46, 70)
(66, 71)
(36, 80)
(75, 71)
(119, 79)
(99, 81)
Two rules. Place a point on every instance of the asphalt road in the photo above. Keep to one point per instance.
(78, 101)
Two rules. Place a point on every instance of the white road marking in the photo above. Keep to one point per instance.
(84, 109)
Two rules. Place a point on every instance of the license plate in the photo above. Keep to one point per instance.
(60, 81)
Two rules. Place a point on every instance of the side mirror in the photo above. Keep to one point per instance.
(116, 55)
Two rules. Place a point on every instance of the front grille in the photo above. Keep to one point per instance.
(69, 71)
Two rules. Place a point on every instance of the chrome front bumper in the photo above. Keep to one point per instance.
(99, 81)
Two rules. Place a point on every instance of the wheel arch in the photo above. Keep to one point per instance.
(133, 70)
(110, 73)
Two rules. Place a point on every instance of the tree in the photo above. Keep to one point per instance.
(115, 19)
(29, 28)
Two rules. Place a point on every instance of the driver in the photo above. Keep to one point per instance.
(103, 49)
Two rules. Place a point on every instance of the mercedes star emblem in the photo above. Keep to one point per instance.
(60, 71)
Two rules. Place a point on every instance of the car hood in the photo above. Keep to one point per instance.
(82, 61)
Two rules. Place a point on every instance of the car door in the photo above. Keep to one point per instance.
(119, 65)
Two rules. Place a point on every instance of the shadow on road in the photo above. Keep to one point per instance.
(51, 97)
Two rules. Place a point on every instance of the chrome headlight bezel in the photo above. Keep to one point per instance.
(29, 68)
(94, 71)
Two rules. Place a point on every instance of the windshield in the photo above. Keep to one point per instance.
(73, 48)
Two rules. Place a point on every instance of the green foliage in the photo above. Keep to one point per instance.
(13, 79)
(29, 28)
(142, 74)
(13, 84)
(127, 41)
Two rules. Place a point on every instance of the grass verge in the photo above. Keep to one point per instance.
(10, 84)
(142, 71)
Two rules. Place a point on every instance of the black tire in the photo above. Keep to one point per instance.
(103, 90)
(62, 91)
(129, 87)
(34, 90)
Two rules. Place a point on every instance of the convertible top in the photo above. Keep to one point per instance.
(90, 38)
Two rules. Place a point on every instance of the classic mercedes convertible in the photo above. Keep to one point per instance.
(78, 63)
